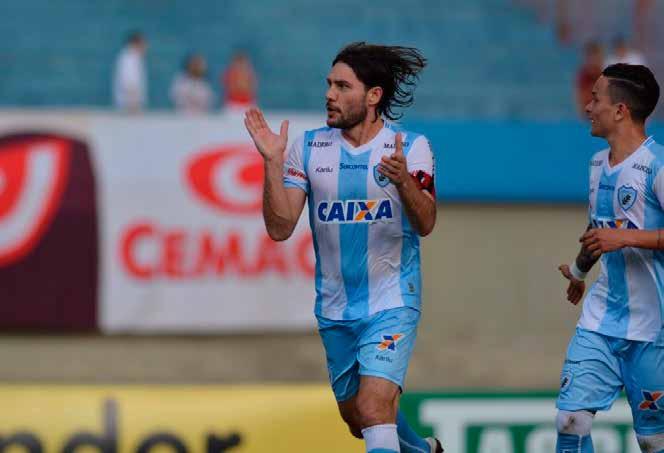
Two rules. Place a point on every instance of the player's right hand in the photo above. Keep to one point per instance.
(270, 145)
(576, 288)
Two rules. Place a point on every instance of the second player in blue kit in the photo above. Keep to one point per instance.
(619, 341)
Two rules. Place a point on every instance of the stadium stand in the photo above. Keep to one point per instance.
(488, 58)
(606, 20)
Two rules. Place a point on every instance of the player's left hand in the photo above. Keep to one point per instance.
(395, 167)
(602, 240)
(576, 288)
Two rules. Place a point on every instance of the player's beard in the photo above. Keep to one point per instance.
(349, 119)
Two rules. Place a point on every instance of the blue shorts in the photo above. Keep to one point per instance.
(596, 369)
(380, 345)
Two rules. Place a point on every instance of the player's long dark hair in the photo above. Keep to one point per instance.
(395, 69)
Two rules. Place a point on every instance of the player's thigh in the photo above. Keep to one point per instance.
(340, 342)
(378, 396)
(591, 377)
(348, 411)
(643, 369)
(387, 343)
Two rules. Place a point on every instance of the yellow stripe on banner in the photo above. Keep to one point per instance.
(166, 419)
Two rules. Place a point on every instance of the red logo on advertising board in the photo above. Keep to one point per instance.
(33, 176)
(48, 233)
(228, 178)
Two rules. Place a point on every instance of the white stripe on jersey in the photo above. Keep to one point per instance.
(360, 232)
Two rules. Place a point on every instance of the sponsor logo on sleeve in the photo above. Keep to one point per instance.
(296, 173)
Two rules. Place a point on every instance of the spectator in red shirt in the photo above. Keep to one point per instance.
(239, 83)
(588, 73)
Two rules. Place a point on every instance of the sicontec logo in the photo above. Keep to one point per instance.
(343, 166)
(33, 175)
(354, 211)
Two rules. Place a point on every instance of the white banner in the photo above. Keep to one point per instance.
(180, 239)
(183, 244)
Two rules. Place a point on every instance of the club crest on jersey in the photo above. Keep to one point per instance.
(389, 342)
(354, 211)
(627, 197)
(650, 400)
(380, 178)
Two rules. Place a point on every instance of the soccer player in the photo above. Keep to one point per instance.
(370, 196)
(619, 340)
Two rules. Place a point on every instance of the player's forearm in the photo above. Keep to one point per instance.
(420, 208)
(585, 259)
(276, 208)
(643, 239)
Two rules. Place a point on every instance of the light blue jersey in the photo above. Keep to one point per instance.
(627, 300)
(367, 254)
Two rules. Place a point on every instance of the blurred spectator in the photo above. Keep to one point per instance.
(587, 75)
(239, 83)
(129, 78)
(643, 11)
(190, 91)
(623, 53)
(563, 24)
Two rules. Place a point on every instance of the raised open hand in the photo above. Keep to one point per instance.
(270, 145)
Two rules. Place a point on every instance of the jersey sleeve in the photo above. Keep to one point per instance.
(420, 161)
(658, 187)
(295, 175)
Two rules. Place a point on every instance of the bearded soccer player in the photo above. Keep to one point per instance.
(370, 196)
(619, 340)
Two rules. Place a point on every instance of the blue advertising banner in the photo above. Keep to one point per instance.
(496, 162)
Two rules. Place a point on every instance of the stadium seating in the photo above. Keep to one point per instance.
(606, 20)
(488, 58)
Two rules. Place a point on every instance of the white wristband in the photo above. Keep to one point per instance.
(576, 272)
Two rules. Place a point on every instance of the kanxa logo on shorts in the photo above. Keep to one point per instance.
(650, 400)
(389, 342)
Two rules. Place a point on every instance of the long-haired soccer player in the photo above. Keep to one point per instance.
(619, 341)
(370, 196)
